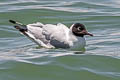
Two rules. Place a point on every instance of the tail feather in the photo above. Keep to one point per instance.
(19, 26)
(21, 29)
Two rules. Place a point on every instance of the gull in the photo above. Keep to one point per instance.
(54, 36)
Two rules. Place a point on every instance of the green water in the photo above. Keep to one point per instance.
(21, 60)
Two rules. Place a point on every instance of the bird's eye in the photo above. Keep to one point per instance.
(79, 28)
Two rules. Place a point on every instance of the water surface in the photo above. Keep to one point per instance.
(21, 60)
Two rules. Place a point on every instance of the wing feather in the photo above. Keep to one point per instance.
(49, 34)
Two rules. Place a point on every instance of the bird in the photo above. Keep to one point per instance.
(54, 36)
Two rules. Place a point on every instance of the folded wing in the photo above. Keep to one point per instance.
(49, 35)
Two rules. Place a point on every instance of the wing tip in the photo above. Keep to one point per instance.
(12, 21)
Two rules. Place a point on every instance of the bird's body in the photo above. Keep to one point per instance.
(54, 36)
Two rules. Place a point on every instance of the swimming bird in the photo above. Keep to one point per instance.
(54, 36)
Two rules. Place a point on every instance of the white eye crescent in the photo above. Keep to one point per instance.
(79, 28)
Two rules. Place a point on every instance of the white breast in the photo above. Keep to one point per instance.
(76, 42)
(79, 43)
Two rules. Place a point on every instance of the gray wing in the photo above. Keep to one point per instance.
(58, 35)
(36, 33)
(49, 35)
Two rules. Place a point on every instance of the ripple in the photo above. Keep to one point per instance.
(110, 74)
(58, 6)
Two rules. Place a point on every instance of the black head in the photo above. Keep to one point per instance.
(79, 29)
